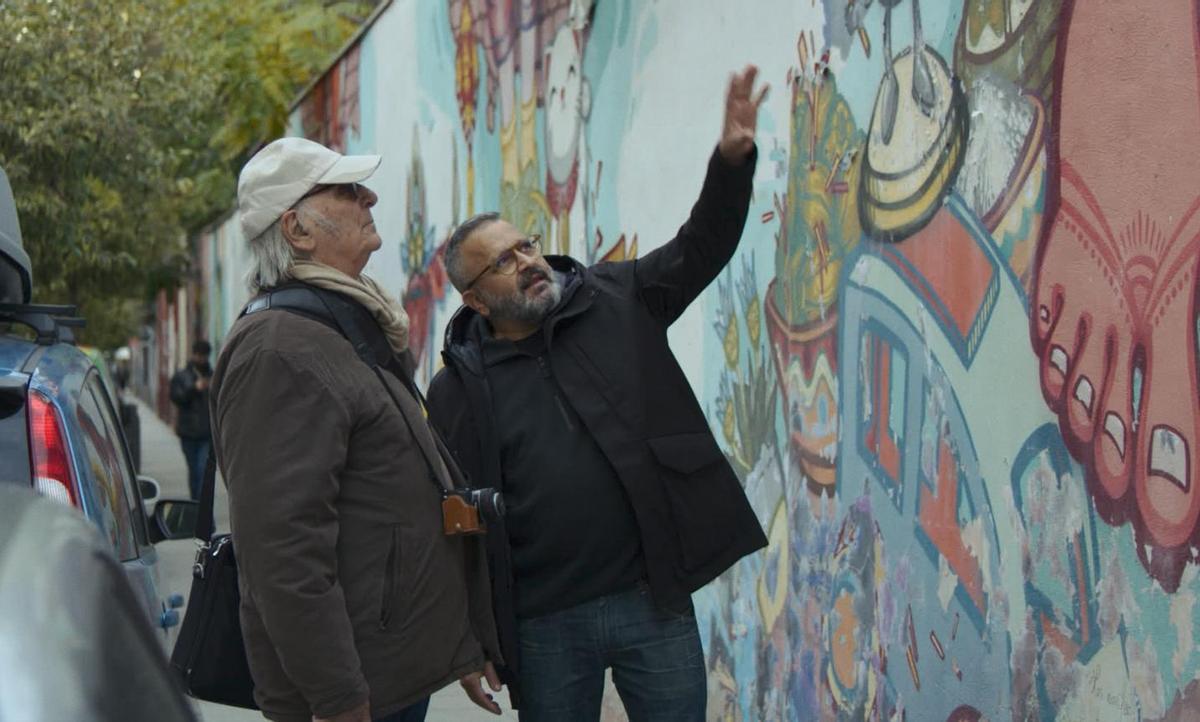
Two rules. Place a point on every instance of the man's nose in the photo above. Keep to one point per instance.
(525, 260)
(367, 197)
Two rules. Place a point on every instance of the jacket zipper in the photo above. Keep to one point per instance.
(544, 369)
(389, 581)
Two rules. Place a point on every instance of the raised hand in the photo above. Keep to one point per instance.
(741, 115)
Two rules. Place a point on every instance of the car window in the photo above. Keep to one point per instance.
(14, 440)
(113, 509)
(106, 379)
(121, 458)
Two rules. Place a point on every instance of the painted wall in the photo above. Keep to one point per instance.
(954, 360)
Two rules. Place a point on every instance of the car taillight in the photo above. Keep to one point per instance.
(48, 448)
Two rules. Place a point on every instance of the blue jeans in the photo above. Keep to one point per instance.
(413, 713)
(195, 452)
(655, 655)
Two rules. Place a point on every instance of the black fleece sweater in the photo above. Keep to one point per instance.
(571, 527)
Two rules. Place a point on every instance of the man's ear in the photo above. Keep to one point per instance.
(295, 233)
(473, 302)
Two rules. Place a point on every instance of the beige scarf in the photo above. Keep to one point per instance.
(387, 311)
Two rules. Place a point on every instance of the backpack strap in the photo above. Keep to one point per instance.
(335, 311)
(361, 329)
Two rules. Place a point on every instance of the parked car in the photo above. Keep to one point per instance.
(127, 411)
(60, 433)
(76, 645)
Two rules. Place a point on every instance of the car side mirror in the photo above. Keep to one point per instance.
(150, 490)
(175, 519)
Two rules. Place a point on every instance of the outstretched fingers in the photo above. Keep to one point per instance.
(762, 96)
(741, 83)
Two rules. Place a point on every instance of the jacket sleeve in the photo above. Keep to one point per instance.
(671, 277)
(283, 437)
(450, 412)
(450, 416)
(183, 387)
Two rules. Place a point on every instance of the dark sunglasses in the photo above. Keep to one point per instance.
(505, 264)
(348, 191)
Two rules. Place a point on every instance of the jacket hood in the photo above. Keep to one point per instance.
(462, 343)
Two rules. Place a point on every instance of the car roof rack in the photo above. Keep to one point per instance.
(52, 324)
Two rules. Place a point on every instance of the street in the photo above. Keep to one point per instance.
(163, 461)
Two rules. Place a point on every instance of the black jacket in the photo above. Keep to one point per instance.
(192, 420)
(607, 345)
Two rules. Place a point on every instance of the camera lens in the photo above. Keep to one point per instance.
(489, 502)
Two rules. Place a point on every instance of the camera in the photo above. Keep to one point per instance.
(468, 511)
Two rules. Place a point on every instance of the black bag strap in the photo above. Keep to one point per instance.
(360, 328)
(334, 310)
(204, 522)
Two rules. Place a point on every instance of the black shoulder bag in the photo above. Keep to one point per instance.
(209, 655)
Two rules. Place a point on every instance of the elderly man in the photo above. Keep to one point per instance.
(355, 603)
(560, 387)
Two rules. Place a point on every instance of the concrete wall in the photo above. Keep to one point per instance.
(955, 358)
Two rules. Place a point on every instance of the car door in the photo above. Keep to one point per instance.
(123, 519)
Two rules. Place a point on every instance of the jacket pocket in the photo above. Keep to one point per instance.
(390, 607)
(700, 489)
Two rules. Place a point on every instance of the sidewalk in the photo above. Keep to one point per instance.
(163, 461)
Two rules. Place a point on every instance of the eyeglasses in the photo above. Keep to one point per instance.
(347, 191)
(506, 263)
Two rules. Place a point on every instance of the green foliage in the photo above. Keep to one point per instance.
(266, 51)
(122, 124)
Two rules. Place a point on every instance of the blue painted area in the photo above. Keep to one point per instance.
(435, 59)
(981, 637)
(940, 21)
(945, 420)
(1057, 589)
(368, 111)
(879, 333)
(624, 32)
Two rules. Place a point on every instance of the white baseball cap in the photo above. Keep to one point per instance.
(281, 173)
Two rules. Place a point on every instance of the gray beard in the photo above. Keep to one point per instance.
(519, 308)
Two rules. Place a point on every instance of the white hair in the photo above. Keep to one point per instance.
(274, 256)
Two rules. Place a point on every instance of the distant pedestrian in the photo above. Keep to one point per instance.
(189, 393)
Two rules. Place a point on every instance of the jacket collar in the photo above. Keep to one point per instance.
(467, 330)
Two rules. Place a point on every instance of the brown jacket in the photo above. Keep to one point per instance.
(349, 587)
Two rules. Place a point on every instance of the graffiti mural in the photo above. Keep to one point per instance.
(954, 361)
(329, 113)
(421, 258)
(818, 227)
(1114, 310)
